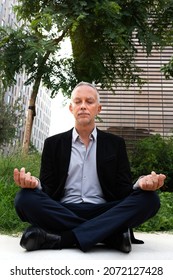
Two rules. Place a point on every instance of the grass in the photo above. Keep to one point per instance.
(9, 221)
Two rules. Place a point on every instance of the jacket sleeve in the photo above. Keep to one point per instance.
(47, 169)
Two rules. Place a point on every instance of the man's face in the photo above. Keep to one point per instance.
(84, 105)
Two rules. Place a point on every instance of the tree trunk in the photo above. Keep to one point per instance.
(28, 126)
(31, 109)
(30, 116)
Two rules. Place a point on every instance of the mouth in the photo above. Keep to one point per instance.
(83, 114)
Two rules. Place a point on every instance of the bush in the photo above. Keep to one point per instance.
(153, 153)
(9, 221)
(156, 153)
(163, 220)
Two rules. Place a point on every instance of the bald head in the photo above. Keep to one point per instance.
(86, 84)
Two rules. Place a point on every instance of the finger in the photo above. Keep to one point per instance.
(16, 176)
(22, 176)
(161, 180)
(150, 184)
(158, 179)
(34, 182)
(153, 173)
(155, 180)
(147, 183)
(144, 182)
(30, 181)
(27, 182)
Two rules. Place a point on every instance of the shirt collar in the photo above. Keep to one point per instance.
(75, 134)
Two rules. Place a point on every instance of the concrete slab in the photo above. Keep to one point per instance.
(157, 246)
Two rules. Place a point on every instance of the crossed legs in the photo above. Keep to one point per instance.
(90, 223)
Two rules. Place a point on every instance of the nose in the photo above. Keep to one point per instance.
(83, 105)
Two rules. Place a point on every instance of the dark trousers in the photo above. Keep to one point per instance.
(90, 223)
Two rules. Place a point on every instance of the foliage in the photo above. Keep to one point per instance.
(163, 220)
(104, 36)
(9, 221)
(154, 153)
(167, 69)
(9, 121)
(22, 49)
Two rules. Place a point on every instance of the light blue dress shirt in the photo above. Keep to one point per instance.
(82, 184)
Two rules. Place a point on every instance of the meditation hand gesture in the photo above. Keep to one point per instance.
(25, 180)
(152, 181)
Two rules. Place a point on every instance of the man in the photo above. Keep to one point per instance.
(85, 195)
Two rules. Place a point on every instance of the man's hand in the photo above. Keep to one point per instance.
(25, 180)
(152, 181)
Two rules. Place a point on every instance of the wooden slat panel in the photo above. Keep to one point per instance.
(133, 114)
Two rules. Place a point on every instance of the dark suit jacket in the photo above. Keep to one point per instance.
(112, 165)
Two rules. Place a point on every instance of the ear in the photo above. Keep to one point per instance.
(99, 108)
(71, 108)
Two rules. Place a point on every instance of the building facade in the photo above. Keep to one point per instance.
(134, 113)
(41, 124)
